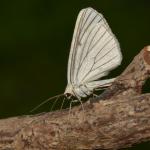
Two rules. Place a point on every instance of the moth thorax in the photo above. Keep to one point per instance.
(69, 89)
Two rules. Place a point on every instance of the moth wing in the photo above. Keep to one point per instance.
(85, 24)
(103, 55)
(99, 84)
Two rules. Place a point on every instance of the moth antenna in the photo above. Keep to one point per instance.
(44, 102)
(81, 105)
(62, 104)
(54, 103)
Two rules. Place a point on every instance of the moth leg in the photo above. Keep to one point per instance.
(62, 104)
(79, 100)
(101, 88)
(94, 95)
(70, 106)
(54, 104)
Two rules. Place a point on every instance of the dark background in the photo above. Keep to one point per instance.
(35, 37)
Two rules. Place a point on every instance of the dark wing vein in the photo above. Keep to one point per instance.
(74, 48)
(91, 50)
(105, 62)
(83, 48)
(98, 67)
(88, 25)
(98, 40)
(103, 47)
(105, 54)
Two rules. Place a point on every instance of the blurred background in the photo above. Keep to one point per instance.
(35, 38)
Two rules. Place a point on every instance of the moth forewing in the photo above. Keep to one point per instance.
(95, 51)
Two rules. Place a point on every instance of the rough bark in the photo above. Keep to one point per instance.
(118, 118)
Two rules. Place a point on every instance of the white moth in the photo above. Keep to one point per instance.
(95, 51)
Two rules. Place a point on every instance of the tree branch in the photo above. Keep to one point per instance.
(118, 118)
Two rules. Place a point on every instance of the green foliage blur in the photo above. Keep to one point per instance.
(35, 38)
